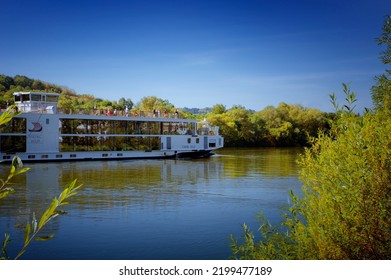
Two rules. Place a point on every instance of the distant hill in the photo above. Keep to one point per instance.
(197, 111)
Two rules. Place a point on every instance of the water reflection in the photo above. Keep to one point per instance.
(261, 162)
(162, 209)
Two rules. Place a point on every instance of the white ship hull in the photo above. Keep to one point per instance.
(80, 156)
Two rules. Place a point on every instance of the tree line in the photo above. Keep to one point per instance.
(284, 125)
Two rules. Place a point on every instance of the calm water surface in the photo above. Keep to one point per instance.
(151, 209)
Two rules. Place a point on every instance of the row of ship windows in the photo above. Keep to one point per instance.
(76, 126)
(61, 156)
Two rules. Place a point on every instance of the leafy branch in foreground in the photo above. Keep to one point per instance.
(33, 229)
(350, 98)
(17, 165)
(16, 169)
(8, 114)
(275, 241)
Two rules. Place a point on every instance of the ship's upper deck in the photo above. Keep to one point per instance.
(46, 103)
(39, 102)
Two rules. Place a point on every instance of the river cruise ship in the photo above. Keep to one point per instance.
(41, 133)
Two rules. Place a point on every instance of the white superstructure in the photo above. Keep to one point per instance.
(40, 133)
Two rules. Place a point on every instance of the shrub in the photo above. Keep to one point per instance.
(344, 211)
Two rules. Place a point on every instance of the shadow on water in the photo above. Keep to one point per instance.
(152, 209)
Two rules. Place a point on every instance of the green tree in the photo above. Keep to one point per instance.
(150, 103)
(66, 103)
(23, 81)
(147, 103)
(6, 82)
(37, 85)
(123, 103)
(259, 126)
(218, 109)
(291, 125)
(381, 91)
(278, 124)
(236, 126)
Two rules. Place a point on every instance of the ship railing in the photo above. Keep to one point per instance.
(96, 112)
(46, 108)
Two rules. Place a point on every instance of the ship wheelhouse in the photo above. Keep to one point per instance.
(36, 102)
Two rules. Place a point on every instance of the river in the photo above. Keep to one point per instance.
(151, 209)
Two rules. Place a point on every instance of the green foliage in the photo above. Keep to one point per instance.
(381, 91)
(385, 39)
(150, 103)
(350, 98)
(8, 114)
(16, 169)
(347, 190)
(235, 125)
(16, 166)
(344, 212)
(275, 243)
(286, 125)
(219, 109)
(34, 227)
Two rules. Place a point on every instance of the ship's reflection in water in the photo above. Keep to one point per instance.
(151, 209)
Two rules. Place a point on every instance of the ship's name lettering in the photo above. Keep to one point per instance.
(188, 146)
(35, 139)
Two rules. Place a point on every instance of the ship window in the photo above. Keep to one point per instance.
(12, 144)
(58, 156)
(44, 156)
(16, 125)
(31, 156)
(51, 98)
(73, 155)
(105, 155)
(188, 140)
(119, 155)
(197, 140)
(35, 97)
(17, 98)
(26, 97)
(47, 121)
(6, 157)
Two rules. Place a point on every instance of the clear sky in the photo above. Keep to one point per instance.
(252, 53)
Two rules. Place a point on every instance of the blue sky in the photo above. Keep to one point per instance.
(198, 53)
